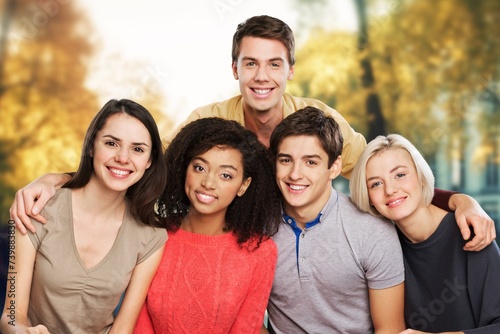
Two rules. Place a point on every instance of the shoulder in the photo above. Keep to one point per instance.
(143, 232)
(57, 208)
(363, 222)
(219, 109)
(302, 102)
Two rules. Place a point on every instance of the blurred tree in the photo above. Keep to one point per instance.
(47, 49)
(43, 100)
(375, 119)
(431, 60)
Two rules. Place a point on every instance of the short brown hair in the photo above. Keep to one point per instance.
(264, 27)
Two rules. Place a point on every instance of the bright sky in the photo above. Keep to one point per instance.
(186, 45)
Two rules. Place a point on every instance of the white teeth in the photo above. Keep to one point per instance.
(395, 202)
(205, 196)
(118, 171)
(296, 187)
(262, 91)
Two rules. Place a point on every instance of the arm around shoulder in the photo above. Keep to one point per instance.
(468, 212)
(30, 200)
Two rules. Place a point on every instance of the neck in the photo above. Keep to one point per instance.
(422, 224)
(304, 214)
(204, 224)
(92, 201)
(263, 123)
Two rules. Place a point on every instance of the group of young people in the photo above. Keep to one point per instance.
(243, 191)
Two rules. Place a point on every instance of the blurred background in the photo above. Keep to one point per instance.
(426, 69)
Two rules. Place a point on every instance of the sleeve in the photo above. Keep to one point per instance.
(36, 238)
(251, 315)
(442, 198)
(154, 241)
(483, 274)
(144, 325)
(383, 256)
(354, 142)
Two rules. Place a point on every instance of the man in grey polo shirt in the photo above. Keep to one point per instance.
(339, 270)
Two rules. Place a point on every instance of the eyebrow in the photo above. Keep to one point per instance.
(391, 171)
(221, 166)
(269, 60)
(307, 156)
(119, 140)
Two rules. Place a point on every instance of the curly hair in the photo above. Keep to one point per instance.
(256, 215)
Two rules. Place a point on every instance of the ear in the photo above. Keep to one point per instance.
(336, 168)
(291, 72)
(149, 163)
(235, 70)
(244, 186)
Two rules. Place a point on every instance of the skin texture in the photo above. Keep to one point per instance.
(119, 163)
(303, 176)
(213, 180)
(262, 70)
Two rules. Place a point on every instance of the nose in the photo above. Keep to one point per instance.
(208, 181)
(261, 74)
(122, 156)
(295, 172)
(391, 187)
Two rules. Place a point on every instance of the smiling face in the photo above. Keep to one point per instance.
(121, 152)
(213, 180)
(262, 69)
(393, 186)
(303, 176)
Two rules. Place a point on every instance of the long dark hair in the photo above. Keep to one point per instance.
(144, 193)
(257, 213)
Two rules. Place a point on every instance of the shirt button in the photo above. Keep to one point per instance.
(302, 260)
(302, 235)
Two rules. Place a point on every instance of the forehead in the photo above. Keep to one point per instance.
(262, 48)
(126, 126)
(301, 145)
(390, 158)
(222, 156)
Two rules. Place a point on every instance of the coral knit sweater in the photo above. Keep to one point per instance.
(208, 284)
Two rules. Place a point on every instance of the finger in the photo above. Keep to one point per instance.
(15, 209)
(464, 227)
(39, 204)
(480, 239)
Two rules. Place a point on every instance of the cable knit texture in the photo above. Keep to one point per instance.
(208, 284)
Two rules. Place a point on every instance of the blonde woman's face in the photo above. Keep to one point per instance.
(392, 183)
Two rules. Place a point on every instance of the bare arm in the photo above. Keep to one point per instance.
(136, 293)
(468, 212)
(20, 274)
(387, 309)
(31, 199)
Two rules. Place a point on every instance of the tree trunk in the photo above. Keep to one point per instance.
(375, 118)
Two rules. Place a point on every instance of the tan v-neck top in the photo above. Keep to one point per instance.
(67, 297)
